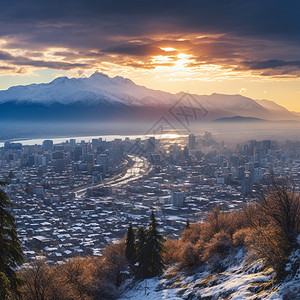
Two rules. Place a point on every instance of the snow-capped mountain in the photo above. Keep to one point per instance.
(100, 96)
(96, 88)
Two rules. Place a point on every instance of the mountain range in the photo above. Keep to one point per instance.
(101, 97)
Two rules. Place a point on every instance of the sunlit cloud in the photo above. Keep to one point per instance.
(167, 45)
(168, 49)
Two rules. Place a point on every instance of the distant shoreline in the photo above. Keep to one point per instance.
(58, 140)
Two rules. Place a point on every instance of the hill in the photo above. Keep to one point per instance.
(240, 119)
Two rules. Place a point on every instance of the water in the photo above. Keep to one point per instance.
(30, 142)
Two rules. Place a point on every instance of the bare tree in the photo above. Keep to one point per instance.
(42, 282)
(280, 204)
(275, 221)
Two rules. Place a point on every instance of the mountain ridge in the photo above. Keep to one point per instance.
(100, 90)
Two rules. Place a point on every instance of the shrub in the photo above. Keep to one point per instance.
(79, 274)
(192, 234)
(41, 282)
(240, 236)
(172, 250)
(275, 220)
(189, 256)
(270, 244)
(105, 290)
(220, 244)
(279, 204)
(114, 263)
(215, 221)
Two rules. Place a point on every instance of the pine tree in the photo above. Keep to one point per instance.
(155, 249)
(4, 287)
(140, 252)
(130, 246)
(11, 254)
(149, 251)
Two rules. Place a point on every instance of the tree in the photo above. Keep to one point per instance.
(140, 253)
(11, 254)
(152, 264)
(114, 263)
(4, 287)
(155, 243)
(280, 204)
(275, 220)
(187, 225)
(130, 247)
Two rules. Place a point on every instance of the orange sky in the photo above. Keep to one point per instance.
(201, 47)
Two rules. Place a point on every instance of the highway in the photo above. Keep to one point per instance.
(140, 168)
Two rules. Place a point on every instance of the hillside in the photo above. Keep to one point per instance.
(241, 279)
(252, 253)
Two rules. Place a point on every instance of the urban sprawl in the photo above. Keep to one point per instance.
(75, 197)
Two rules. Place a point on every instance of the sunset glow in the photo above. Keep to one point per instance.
(204, 58)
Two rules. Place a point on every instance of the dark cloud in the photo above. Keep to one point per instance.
(254, 35)
(6, 68)
(25, 61)
(270, 64)
(91, 23)
(136, 49)
(5, 55)
(49, 64)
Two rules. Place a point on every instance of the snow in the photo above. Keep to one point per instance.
(241, 280)
(149, 289)
(100, 88)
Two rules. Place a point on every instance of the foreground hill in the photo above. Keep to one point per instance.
(241, 279)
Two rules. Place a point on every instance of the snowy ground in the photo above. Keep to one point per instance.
(240, 280)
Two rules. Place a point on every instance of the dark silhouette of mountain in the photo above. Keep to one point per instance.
(240, 119)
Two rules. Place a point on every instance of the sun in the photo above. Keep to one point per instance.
(168, 49)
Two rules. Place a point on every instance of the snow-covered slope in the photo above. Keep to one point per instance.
(241, 280)
(100, 89)
(277, 110)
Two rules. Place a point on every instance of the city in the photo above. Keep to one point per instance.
(75, 197)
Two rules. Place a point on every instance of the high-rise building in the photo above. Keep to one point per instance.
(95, 144)
(58, 155)
(151, 144)
(192, 142)
(47, 145)
(77, 153)
(247, 183)
(177, 198)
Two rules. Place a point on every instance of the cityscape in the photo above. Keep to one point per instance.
(75, 197)
(149, 150)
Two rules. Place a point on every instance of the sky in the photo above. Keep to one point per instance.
(242, 47)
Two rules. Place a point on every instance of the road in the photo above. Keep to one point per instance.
(140, 168)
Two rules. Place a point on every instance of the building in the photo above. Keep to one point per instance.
(151, 144)
(192, 142)
(47, 145)
(177, 199)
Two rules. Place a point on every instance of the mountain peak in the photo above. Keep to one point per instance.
(113, 80)
(99, 75)
(59, 80)
(123, 80)
(101, 89)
